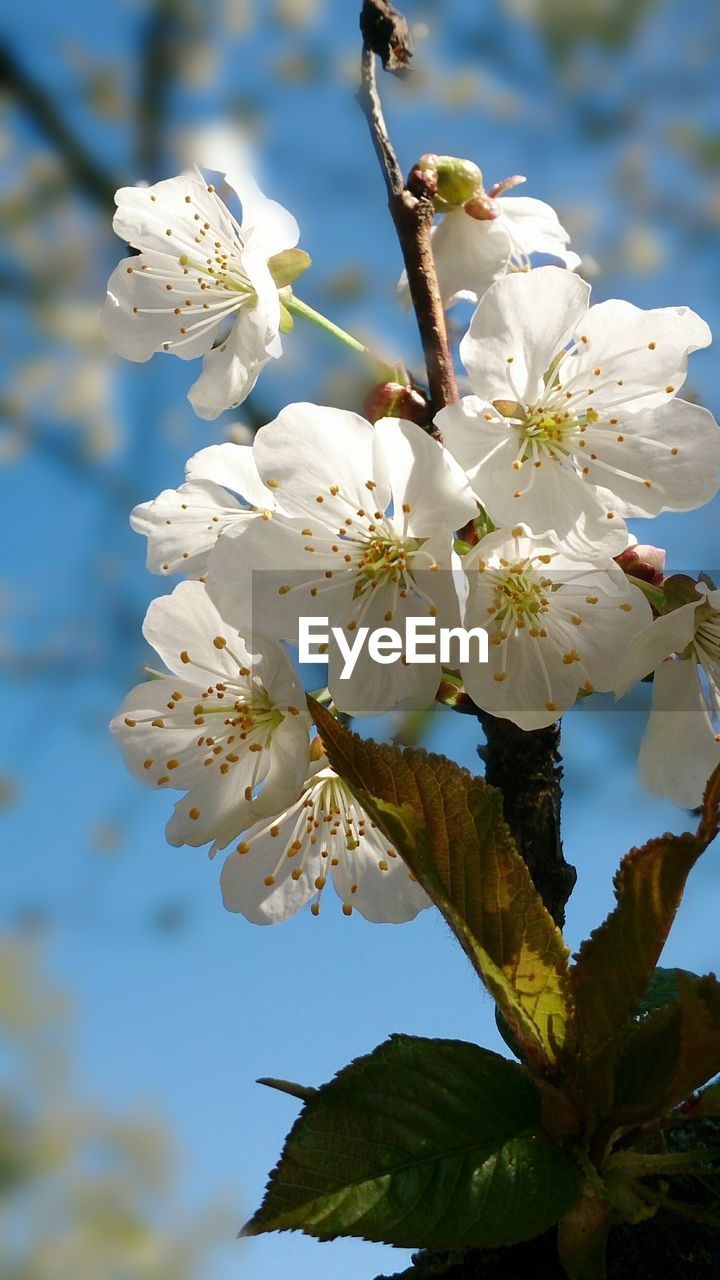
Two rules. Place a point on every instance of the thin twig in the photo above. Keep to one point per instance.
(91, 178)
(413, 217)
(526, 767)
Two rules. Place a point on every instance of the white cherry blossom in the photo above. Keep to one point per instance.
(557, 624)
(222, 490)
(574, 415)
(324, 837)
(364, 538)
(681, 747)
(228, 725)
(471, 249)
(470, 253)
(201, 284)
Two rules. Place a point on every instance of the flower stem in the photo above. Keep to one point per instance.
(299, 308)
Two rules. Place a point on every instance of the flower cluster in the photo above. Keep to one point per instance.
(514, 525)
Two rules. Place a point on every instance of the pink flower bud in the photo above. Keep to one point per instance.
(644, 562)
(393, 400)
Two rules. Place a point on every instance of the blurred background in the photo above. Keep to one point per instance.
(135, 1014)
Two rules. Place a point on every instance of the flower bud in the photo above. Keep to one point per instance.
(644, 562)
(393, 400)
(423, 178)
(457, 181)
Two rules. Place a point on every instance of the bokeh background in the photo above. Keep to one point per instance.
(135, 1014)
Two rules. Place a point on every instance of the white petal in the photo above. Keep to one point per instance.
(142, 316)
(521, 324)
(668, 634)
(641, 355)
(251, 569)
(215, 809)
(374, 688)
(271, 227)
(680, 749)
(232, 466)
(187, 623)
(231, 370)
(474, 432)
(244, 889)
(146, 746)
(606, 628)
(534, 227)
(469, 255)
(537, 688)
(182, 525)
(549, 495)
(162, 218)
(676, 447)
(424, 478)
(383, 896)
(310, 450)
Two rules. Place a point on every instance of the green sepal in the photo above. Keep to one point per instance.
(288, 266)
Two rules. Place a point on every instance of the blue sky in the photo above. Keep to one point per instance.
(187, 1018)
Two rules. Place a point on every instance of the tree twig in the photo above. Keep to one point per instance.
(526, 767)
(412, 213)
(91, 178)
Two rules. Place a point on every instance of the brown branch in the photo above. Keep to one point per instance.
(412, 214)
(91, 178)
(526, 767)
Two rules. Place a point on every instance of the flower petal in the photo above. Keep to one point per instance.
(521, 324)
(375, 687)
(244, 888)
(680, 749)
(182, 629)
(469, 255)
(663, 459)
(231, 370)
(151, 306)
(320, 462)
(182, 525)
(375, 881)
(669, 634)
(145, 745)
(631, 358)
(427, 484)
(162, 218)
(534, 227)
(233, 466)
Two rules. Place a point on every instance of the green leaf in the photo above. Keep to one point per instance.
(301, 1091)
(668, 1055)
(678, 590)
(448, 826)
(664, 988)
(614, 966)
(422, 1144)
